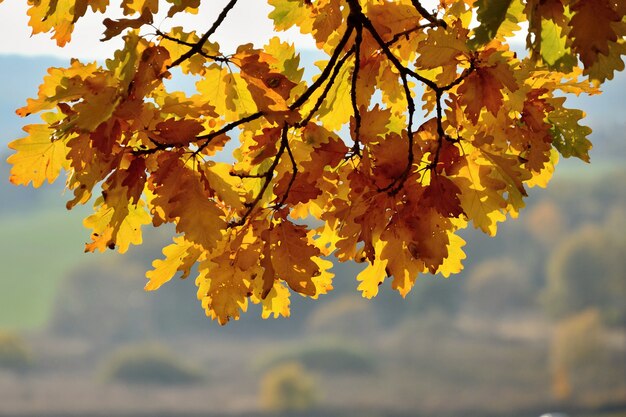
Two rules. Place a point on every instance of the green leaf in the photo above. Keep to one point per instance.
(569, 137)
(491, 14)
(286, 13)
(554, 50)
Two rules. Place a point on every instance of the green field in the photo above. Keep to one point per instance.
(38, 249)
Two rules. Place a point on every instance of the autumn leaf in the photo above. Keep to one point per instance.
(292, 257)
(179, 256)
(177, 132)
(592, 30)
(115, 27)
(413, 125)
(38, 157)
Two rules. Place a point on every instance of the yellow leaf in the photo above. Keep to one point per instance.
(39, 157)
(541, 178)
(121, 234)
(292, 257)
(277, 301)
(453, 263)
(441, 47)
(373, 275)
(324, 281)
(371, 278)
(179, 256)
(223, 290)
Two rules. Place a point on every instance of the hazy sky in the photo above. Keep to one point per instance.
(247, 22)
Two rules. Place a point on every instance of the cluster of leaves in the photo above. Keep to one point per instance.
(393, 194)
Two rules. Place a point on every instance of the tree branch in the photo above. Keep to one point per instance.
(191, 45)
(327, 70)
(267, 178)
(197, 47)
(356, 150)
(427, 15)
(294, 167)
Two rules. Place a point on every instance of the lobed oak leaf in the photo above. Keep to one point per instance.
(496, 17)
(116, 226)
(554, 48)
(188, 6)
(177, 132)
(483, 89)
(373, 125)
(483, 206)
(367, 79)
(328, 18)
(275, 300)
(373, 275)
(60, 85)
(453, 263)
(88, 167)
(270, 90)
(38, 157)
(179, 256)
(52, 16)
(392, 18)
(223, 289)
(568, 136)
(224, 186)
(429, 238)
(606, 65)
(150, 71)
(592, 31)
(544, 176)
(115, 27)
(442, 194)
(324, 280)
(287, 13)
(181, 197)
(441, 47)
(292, 257)
(80, 7)
(324, 238)
(390, 159)
(131, 7)
(95, 109)
(297, 188)
(177, 104)
(335, 111)
(400, 263)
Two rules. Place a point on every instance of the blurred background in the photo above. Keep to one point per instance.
(536, 322)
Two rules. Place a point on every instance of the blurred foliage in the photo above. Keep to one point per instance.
(498, 285)
(102, 301)
(588, 270)
(287, 387)
(576, 347)
(15, 354)
(546, 222)
(332, 355)
(148, 364)
(346, 315)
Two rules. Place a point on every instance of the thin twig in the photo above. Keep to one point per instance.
(267, 178)
(191, 45)
(197, 47)
(294, 167)
(356, 150)
(327, 70)
(427, 15)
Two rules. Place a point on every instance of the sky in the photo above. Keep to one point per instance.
(247, 22)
